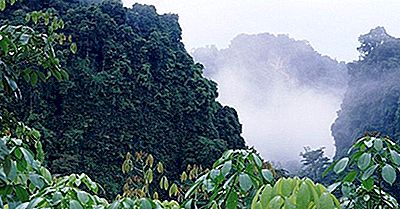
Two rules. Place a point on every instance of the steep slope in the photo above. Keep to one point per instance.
(285, 92)
(371, 103)
(132, 87)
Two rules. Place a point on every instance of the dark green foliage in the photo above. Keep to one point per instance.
(371, 102)
(132, 87)
(365, 173)
(314, 163)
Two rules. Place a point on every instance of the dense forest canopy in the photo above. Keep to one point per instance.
(283, 90)
(111, 91)
(132, 86)
(371, 102)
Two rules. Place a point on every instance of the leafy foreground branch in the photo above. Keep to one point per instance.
(239, 179)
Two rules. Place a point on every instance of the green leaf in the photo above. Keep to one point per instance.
(34, 78)
(303, 196)
(364, 161)
(333, 187)
(56, 74)
(73, 48)
(350, 177)
(36, 134)
(232, 200)
(368, 184)
(326, 201)
(7, 166)
(33, 203)
(57, 197)
(83, 197)
(226, 168)
(36, 180)
(257, 159)
(2, 5)
(266, 196)
(378, 144)
(276, 202)
(395, 157)
(389, 174)
(4, 44)
(29, 158)
(22, 193)
(73, 204)
(267, 174)
(369, 172)
(145, 204)
(341, 165)
(245, 182)
(65, 76)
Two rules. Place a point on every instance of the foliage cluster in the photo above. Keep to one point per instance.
(371, 102)
(132, 86)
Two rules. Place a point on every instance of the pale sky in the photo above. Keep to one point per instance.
(331, 26)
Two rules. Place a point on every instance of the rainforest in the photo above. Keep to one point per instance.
(103, 106)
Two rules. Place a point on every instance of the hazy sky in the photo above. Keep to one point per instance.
(331, 26)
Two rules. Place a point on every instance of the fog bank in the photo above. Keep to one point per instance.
(286, 94)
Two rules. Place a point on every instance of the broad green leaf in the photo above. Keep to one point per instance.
(395, 157)
(303, 196)
(36, 180)
(57, 197)
(341, 165)
(289, 204)
(46, 174)
(73, 204)
(226, 168)
(245, 182)
(232, 200)
(368, 184)
(257, 160)
(2, 5)
(378, 144)
(266, 196)
(276, 202)
(389, 174)
(364, 161)
(29, 158)
(145, 204)
(255, 200)
(33, 203)
(326, 201)
(369, 172)
(267, 174)
(350, 177)
(83, 197)
(287, 187)
(22, 193)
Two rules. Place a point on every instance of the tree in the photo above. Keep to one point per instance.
(314, 163)
(132, 87)
(373, 39)
(370, 165)
(371, 102)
